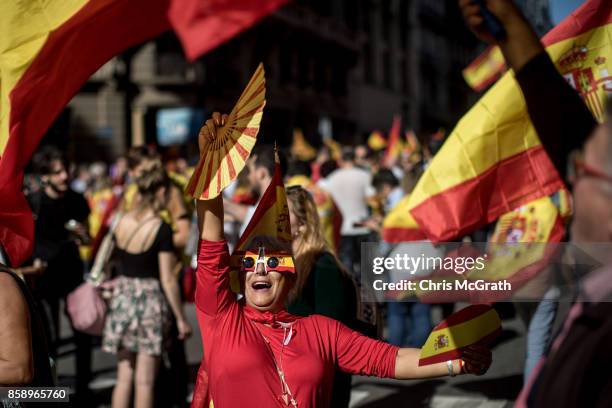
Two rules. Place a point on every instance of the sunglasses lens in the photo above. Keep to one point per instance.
(248, 262)
(272, 262)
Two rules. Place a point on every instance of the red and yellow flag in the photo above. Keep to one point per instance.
(476, 324)
(395, 144)
(521, 246)
(271, 217)
(485, 69)
(49, 49)
(493, 161)
(400, 226)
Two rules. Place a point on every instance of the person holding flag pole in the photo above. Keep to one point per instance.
(257, 354)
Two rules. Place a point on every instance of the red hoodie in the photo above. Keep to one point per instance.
(240, 366)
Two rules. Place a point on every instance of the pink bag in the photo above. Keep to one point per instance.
(87, 309)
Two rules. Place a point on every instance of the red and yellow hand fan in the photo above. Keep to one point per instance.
(476, 324)
(223, 158)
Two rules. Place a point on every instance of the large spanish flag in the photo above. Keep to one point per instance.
(48, 49)
(493, 161)
(522, 245)
(485, 69)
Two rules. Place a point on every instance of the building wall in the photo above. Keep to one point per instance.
(354, 62)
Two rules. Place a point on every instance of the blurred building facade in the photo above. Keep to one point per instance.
(337, 68)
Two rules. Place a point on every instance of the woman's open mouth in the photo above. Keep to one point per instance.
(261, 285)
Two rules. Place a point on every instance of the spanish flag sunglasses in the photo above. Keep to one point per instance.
(278, 262)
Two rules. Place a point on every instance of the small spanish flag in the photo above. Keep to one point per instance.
(476, 324)
(271, 219)
(485, 69)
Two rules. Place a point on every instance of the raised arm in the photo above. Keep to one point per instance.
(210, 219)
(560, 117)
(210, 212)
(213, 293)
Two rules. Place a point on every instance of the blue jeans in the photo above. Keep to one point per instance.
(409, 323)
(539, 333)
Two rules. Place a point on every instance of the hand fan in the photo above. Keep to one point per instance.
(476, 324)
(222, 159)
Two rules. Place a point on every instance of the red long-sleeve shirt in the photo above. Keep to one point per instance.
(240, 368)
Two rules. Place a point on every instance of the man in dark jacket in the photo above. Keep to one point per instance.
(60, 222)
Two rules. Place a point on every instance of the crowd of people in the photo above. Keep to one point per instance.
(294, 334)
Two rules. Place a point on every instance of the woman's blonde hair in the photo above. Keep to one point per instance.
(309, 242)
(150, 179)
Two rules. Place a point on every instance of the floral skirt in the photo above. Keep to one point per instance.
(138, 318)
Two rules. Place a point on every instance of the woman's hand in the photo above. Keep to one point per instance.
(184, 329)
(208, 132)
(505, 11)
(520, 45)
(477, 359)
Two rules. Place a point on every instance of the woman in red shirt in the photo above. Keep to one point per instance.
(256, 354)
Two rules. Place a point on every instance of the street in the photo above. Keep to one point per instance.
(497, 388)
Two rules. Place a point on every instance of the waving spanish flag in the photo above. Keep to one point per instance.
(48, 49)
(493, 161)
